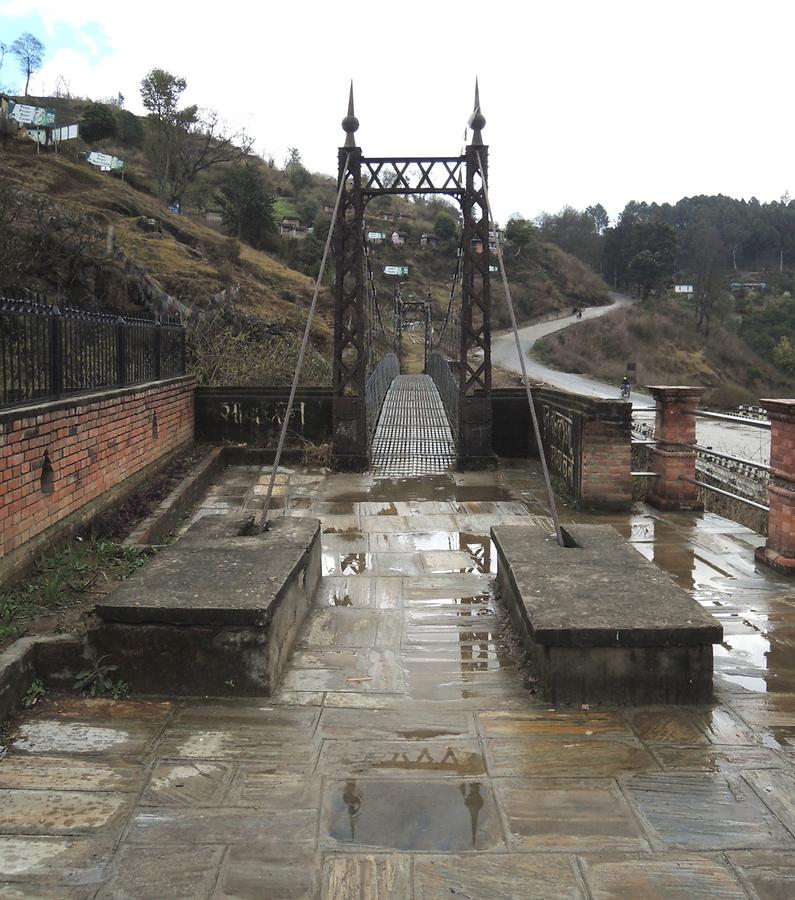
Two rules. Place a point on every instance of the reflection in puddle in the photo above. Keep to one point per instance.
(346, 563)
(443, 816)
(443, 759)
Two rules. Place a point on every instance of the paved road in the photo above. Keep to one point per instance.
(738, 440)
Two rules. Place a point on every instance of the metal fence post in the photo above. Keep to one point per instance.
(56, 353)
(157, 350)
(121, 352)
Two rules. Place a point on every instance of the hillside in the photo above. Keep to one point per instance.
(662, 339)
(86, 238)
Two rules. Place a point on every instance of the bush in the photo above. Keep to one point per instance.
(129, 129)
(97, 123)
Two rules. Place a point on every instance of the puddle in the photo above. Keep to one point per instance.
(442, 816)
(346, 563)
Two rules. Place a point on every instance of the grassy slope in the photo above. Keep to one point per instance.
(187, 258)
(193, 262)
(662, 339)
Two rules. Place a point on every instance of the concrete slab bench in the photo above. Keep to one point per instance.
(601, 623)
(214, 613)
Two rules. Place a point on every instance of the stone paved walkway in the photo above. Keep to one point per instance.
(404, 755)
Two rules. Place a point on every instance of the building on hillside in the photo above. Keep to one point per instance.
(429, 240)
(291, 227)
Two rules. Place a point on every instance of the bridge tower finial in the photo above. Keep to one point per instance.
(477, 120)
(350, 124)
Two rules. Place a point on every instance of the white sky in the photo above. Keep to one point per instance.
(585, 102)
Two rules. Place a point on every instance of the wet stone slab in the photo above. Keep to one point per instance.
(442, 816)
(551, 722)
(366, 877)
(405, 724)
(705, 812)
(221, 825)
(502, 877)
(576, 756)
(238, 743)
(64, 861)
(568, 814)
(360, 593)
(771, 875)
(95, 737)
(668, 876)
(718, 759)
(70, 773)
(258, 870)
(151, 873)
(186, 784)
(60, 812)
(437, 758)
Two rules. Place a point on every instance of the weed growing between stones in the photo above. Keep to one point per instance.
(63, 582)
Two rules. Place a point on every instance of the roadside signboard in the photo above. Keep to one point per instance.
(105, 162)
(65, 133)
(396, 270)
(683, 289)
(30, 115)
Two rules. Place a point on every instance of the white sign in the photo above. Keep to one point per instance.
(376, 236)
(30, 115)
(104, 161)
(396, 270)
(65, 133)
(683, 289)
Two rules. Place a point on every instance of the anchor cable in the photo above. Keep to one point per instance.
(259, 522)
(550, 493)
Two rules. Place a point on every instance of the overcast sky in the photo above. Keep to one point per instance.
(586, 102)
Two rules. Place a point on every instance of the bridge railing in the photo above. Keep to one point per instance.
(678, 459)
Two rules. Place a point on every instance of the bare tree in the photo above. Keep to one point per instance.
(29, 51)
(184, 142)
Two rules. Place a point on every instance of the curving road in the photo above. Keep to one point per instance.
(739, 440)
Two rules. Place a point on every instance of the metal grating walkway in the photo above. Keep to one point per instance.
(413, 436)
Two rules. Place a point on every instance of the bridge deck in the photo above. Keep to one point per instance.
(413, 436)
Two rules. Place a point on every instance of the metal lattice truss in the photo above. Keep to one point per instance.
(361, 340)
(413, 175)
(475, 355)
(350, 356)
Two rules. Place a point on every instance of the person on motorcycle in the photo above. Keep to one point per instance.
(625, 387)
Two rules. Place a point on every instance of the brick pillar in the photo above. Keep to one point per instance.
(779, 551)
(675, 426)
(605, 471)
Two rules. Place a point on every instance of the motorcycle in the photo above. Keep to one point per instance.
(625, 390)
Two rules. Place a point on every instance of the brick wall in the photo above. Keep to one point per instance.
(779, 551)
(605, 476)
(57, 457)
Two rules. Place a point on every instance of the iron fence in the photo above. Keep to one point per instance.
(47, 352)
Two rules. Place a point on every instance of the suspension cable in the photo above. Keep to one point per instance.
(260, 522)
(550, 493)
(437, 344)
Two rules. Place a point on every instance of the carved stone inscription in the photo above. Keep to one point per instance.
(561, 440)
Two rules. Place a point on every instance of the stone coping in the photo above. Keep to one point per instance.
(603, 593)
(211, 576)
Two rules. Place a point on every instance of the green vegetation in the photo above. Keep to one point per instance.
(34, 693)
(98, 122)
(63, 579)
(97, 680)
